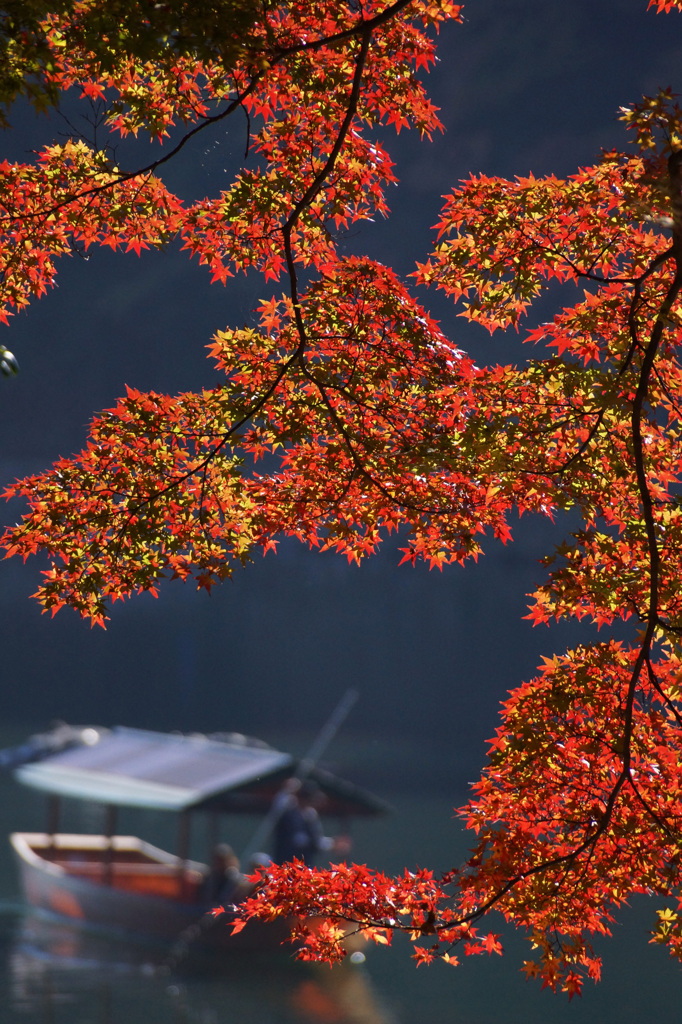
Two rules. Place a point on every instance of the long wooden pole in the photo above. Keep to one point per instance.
(306, 765)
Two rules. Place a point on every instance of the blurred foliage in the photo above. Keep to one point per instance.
(147, 32)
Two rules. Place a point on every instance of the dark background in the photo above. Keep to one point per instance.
(523, 85)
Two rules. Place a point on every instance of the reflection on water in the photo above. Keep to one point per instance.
(60, 973)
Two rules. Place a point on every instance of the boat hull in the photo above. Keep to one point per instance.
(125, 885)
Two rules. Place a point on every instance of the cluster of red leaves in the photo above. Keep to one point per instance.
(298, 90)
(572, 817)
(580, 805)
(585, 775)
(354, 422)
(347, 415)
(69, 200)
(333, 905)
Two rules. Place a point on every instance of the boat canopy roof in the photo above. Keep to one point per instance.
(167, 771)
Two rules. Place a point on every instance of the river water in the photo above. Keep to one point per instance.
(51, 974)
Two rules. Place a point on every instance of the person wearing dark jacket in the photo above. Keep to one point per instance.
(298, 832)
(224, 877)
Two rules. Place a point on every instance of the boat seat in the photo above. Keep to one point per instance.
(149, 879)
(95, 867)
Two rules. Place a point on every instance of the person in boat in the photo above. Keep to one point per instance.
(224, 878)
(298, 831)
(246, 888)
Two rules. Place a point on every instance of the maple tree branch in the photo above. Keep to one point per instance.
(652, 617)
(587, 737)
(316, 184)
(636, 300)
(286, 230)
(147, 171)
(643, 657)
(653, 678)
(583, 447)
(667, 392)
(641, 395)
(637, 286)
(364, 28)
(337, 37)
(672, 834)
(340, 427)
(358, 463)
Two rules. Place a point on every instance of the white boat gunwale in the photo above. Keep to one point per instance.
(25, 844)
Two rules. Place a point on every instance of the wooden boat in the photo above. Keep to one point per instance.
(122, 883)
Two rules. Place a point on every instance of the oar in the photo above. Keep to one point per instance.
(305, 766)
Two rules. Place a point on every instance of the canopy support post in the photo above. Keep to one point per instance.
(53, 815)
(183, 852)
(108, 852)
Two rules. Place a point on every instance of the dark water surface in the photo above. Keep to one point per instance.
(52, 974)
